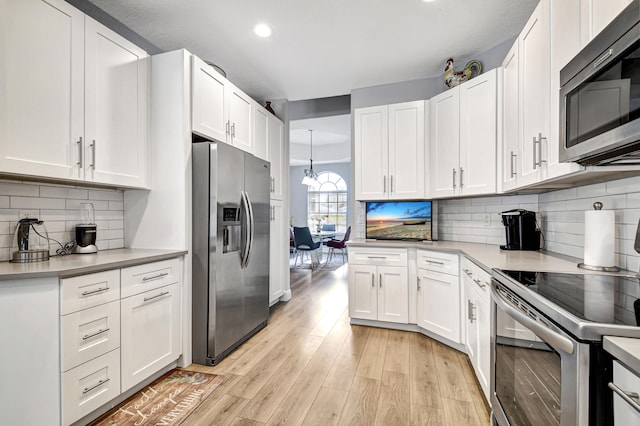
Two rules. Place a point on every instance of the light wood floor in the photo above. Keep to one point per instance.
(309, 366)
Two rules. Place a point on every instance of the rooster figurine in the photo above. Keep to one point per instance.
(453, 78)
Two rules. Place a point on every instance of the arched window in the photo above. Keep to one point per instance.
(328, 201)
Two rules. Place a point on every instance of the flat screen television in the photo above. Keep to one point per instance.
(402, 220)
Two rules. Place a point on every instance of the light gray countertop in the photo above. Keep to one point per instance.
(489, 256)
(79, 264)
(625, 349)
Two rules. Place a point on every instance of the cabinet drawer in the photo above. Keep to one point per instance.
(480, 278)
(87, 291)
(438, 262)
(623, 413)
(149, 276)
(90, 385)
(378, 256)
(90, 333)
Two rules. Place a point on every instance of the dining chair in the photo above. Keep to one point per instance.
(304, 244)
(338, 245)
(328, 227)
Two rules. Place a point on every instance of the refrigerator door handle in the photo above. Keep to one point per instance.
(252, 228)
(246, 223)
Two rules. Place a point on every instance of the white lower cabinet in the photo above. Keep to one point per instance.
(277, 252)
(150, 333)
(90, 385)
(628, 382)
(439, 304)
(117, 328)
(478, 325)
(378, 291)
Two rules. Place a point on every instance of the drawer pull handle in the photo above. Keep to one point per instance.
(434, 262)
(468, 272)
(164, 274)
(164, 293)
(98, 290)
(376, 257)
(89, 336)
(100, 383)
(630, 398)
(479, 282)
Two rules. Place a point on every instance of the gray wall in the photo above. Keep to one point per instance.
(298, 191)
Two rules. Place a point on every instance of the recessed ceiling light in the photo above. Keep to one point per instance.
(428, 1)
(262, 30)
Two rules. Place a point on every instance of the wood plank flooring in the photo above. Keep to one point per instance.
(309, 366)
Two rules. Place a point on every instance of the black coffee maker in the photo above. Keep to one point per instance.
(521, 230)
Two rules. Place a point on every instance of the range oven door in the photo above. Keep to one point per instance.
(539, 375)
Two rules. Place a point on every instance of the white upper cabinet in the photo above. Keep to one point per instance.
(445, 143)
(534, 93)
(406, 150)
(220, 111)
(389, 151)
(42, 86)
(239, 119)
(116, 115)
(208, 112)
(371, 152)
(531, 84)
(510, 120)
(279, 169)
(464, 137)
(81, 116)
(260, 131)
(597, 14)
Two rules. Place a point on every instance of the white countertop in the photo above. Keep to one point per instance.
(78, 264)
(625, 349)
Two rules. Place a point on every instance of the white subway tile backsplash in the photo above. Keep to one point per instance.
(64, 192)
(19, 189)
(106, 195)
(116, 205)
(57, 206)
(74, 204)
(560, 215)
(36, 203)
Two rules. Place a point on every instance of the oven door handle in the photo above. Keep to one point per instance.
(550, 336)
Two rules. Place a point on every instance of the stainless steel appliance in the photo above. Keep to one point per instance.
(230, 249)
(86, 231)
(600, 96)
(30, 242)
(547, 361)
(521, 230)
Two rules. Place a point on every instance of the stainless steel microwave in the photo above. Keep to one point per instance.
(600, 96)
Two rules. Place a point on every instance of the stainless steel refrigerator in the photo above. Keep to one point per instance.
(230, 249)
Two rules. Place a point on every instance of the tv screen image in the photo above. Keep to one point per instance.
(399, 220)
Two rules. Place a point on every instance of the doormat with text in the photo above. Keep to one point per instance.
(167, 401)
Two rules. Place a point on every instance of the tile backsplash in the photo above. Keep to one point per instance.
(560, 215)
(57, 206)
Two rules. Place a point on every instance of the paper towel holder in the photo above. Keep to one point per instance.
(598, 206)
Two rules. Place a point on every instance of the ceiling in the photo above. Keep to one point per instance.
(323, 48)
(331, 140)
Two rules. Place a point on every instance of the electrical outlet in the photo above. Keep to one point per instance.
(28, 213)
(487, 219)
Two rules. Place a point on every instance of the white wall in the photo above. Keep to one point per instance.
(58, 206)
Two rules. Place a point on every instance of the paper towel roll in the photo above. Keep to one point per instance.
(599, 238)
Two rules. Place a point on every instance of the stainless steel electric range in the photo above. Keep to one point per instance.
(547, 362)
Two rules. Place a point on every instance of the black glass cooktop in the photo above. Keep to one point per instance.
(604, 299)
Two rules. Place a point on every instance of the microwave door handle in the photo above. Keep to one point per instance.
(545, 333)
